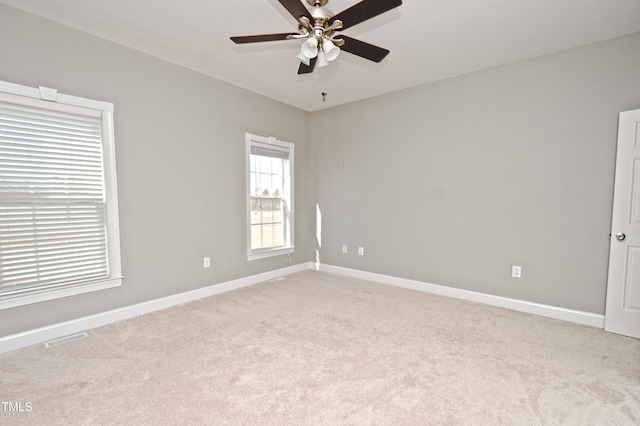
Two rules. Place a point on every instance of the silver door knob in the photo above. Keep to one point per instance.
(620, 236)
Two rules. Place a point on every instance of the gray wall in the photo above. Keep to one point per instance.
(452, 183)
(180, 163)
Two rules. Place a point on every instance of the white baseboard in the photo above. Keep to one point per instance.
(43, 334)
(579, 317)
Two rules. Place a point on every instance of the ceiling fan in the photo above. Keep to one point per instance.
(319, 25)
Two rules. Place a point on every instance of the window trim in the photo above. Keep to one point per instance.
(35, 96)
(288, 249)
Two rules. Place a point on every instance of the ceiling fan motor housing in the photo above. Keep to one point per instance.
(317, 2)
(320, 17)
(321, 14)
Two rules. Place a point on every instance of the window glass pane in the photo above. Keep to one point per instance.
(256, 236)
(267, 235)
(278, 215)
(256, 211)
(264, 164)
(252, 183)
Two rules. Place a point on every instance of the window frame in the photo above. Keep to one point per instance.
(288, 196)
(49, 98)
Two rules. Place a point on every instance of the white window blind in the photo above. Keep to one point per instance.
(53, 198)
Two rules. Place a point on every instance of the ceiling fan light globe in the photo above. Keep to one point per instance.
(322, 59)
(304, 59)
(310, 48)
(331, 51)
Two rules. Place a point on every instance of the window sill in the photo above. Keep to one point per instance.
(270, 253)
(27, 297)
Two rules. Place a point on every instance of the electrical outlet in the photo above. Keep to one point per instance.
(516, 271)
(361, 251)
(206, 262)
(344, 248)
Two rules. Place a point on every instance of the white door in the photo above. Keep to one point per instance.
(623, 286)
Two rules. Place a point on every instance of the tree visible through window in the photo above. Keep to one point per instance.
(270, 209)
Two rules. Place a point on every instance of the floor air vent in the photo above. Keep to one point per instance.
(65, 339)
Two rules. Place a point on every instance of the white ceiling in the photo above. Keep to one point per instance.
(429, 40)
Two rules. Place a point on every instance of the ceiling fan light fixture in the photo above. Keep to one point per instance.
(304, 59)
(322, 59)
(310, 48)
(330, 50)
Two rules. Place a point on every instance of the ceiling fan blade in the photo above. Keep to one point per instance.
(296, 9)
(364, 10)
(362, 49)
(261, 37)
(306, 69)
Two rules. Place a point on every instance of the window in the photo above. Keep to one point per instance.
(58, 204)
(270, 197)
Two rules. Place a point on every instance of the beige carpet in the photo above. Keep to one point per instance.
(316, 348)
